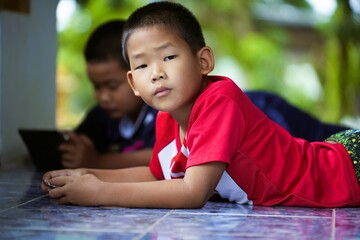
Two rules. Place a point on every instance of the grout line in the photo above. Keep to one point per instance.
(20, 204)
(250, 215)
(154, 225)
(333, 224)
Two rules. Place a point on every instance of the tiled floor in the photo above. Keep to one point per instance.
(26, 213)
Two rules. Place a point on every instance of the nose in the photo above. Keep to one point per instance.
(102, 96)
(157, 73)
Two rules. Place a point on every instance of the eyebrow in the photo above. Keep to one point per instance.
(159, 48)
(164, 46)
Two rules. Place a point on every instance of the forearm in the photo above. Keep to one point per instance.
(157, 194)
(123, 160)
(192, 191)
(135, 174)
(137, 187)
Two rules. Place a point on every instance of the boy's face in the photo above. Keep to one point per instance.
(164, 71)
(112, 90)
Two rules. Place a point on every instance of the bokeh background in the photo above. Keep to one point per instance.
(307, 51)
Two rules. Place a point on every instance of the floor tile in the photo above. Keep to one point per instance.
(27, 213)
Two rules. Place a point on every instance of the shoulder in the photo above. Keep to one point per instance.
(221, 90)
(223, 95)
(222, 87)
(95, 119)
(222, 84)
(96, 115)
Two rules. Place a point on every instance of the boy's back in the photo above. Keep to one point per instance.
(256, 151)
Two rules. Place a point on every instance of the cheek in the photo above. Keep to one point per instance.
(140, 82)
(98, 93)
(123, 93)
(186, 68)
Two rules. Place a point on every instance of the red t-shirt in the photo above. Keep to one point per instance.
(265, 164)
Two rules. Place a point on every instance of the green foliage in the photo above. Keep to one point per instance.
(262, 50)
(263, 59)
(342, 79)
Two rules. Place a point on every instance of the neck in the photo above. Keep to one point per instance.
(182, 115)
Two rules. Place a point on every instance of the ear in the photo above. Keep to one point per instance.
(206, 58)
(131, 83)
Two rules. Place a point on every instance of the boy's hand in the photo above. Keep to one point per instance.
(79, 151)
(76, 189)
(47, 184)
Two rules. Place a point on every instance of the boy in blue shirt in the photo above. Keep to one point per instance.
(119, 131)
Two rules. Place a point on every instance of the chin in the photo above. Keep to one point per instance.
(115, 115)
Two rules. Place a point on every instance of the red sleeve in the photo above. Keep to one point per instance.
(214, 134)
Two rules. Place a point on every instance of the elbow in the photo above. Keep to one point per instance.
(190, 205)
(191, 196)
(193, 202)
(199, 204)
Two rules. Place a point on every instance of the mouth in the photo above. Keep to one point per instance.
(111, 111)
(161, 91)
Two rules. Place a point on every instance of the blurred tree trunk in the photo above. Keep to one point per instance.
(342, 63)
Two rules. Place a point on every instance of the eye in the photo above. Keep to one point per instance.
(141, 66)
(113, 85)
(96, 86)
(168, 58)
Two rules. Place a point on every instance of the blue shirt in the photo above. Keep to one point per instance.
(297, 122)
(110, 135)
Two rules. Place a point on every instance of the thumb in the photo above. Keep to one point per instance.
(86, 140)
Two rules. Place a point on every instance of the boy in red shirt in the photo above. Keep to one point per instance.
(209, 136)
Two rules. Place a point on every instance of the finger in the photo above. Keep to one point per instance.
(56, 192)
(60, 181)
(63, 200)
(86, 140)
(68, 135)
(70, 159)
(51, 174)
(45, 187)
(48, 184)
(67, 157)
(66, 147)
(74, 138)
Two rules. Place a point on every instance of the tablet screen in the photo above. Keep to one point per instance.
(42, 146)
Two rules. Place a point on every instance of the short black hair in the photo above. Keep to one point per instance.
(104, 43)
(170, 15)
